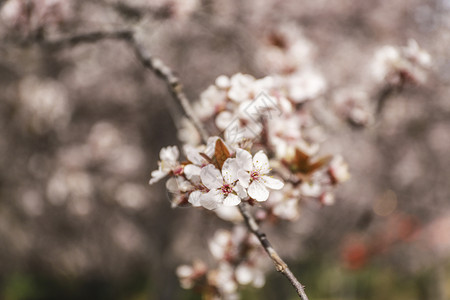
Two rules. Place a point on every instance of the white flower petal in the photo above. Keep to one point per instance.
(192, 170)
(244, 274)
(193, 155)
(240, 191)
(252, 130)
(231, 200)
(170, 153)
(238, 94)
(286, 208)
(244, 178)
(234, 133)
(211, 146)
(178, 185)
(258, 191)
(184, 271)
(217, 244)
(157, 175)
(310, 189)
(211, 200)
(224, 119)
(261, 162)
(222, 82)
(229, 170)
(172, 185)
(211, 177)
(194, 198)
(229, 213)
(272, 183)
(339, 169)
(244, 159)
(259, 279)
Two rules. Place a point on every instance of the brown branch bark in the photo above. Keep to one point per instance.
(280, 265)
(383, 95)
(166, 74)
(87, 38)
(173, 84)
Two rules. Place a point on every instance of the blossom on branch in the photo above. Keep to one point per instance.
(397, 65)
(214, 177)
(253, 175)
(168, 163)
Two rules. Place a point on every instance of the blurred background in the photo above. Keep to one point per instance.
(81, 128)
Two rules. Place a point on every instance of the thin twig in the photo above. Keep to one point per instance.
(87, 38)
(173, 84)
(280, 265)
(383, 95)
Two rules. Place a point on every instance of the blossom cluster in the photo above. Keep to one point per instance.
(266, 111)
(263, 114)
(273, 118)
(354, 106)
(397, 65)
(34, 15)
(240, 261)
(266, 126)
(263, 117)
(272, 115)
(392, 67)
(213, 176)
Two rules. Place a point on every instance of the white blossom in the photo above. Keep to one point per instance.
(241, 87)
(229, 213)
(284, 203)
(187, 132)
(168, 162)
(339, 169)
(305, 85)
(192, 171)
(396, 64)
(221, 185)
(223, 82)
(327, 198)
(252, 174)
(250, 274)
(310, 189)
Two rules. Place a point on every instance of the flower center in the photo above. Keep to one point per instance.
(254, 175)
(226, 189)
(178, 171)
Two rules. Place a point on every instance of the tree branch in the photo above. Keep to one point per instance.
(383, 95)
(87, 38)
(280, 265)
(166, 74)
(173, 84)
(175, 87)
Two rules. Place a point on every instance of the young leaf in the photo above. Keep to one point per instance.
(302, 163)
(221, 154)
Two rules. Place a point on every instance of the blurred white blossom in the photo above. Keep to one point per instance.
(396, 65)
(43, 105)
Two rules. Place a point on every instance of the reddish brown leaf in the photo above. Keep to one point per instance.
(221, 153)
(302, 163)
(320, 163)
